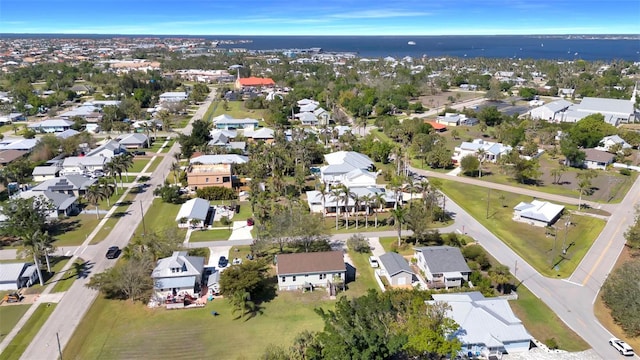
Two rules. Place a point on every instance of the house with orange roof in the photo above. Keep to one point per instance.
(436, 126)
(253, 82)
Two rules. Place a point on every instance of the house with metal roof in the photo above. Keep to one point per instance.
(309, 270)
(329, 204)
(173, 96)
(262, 134)
(219, 159)
(79, 165)
(396, 269)
(487, 326)
(67, 134)
(67, 184)
(14, 276)
(552, 111)
(134, 141)
(18, 144)
(43, 173)
(51, 125)
(62, 204)
(442, 266)
(108, 150)
(177, 274)
(343, 162)
(193, 213)
(537, 213)
(228, 122)
(487, 150)
(608, 142)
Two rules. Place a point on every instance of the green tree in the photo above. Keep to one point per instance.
(469, 164)
(249, 277)
(398, 214)
(588, 132)
(632, 235)
(94, 195)
(358, 243)
(128, 280)
(622, 299)
(490, 116)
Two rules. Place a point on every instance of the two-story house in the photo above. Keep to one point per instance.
(442, 266)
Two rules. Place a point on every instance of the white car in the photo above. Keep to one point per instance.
(236, 261)
(622, 347)
(373, 262)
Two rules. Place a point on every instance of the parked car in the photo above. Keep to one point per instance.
(236, 261)
(139, 153)
(373, 262)
(622, 347)
(223, 262)
(113, 252)
(249, 222)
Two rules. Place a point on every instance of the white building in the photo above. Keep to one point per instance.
(177, 274)
(193, 213)
(537, 213)
(487, 325)
(79, 165)
(309, 270)
(14, 276)
(491, 151)
(175, 96)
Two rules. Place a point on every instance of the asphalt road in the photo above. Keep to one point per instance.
(571, 299)
(77, 300)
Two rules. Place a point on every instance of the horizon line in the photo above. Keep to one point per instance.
(636, 35)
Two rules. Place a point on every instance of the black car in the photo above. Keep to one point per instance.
(223, 262)
(139, 153)
(113, 252)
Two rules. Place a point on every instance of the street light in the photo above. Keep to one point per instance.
(566, 232)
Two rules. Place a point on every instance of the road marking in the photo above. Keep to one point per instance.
(572, 282)
(602, 254)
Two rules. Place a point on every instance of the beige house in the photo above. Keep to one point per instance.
(205, 175)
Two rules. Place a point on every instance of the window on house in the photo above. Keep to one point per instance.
(217, 179)
(226, 179)
(323, 276)
(206, 180)
(283, 278)
(293, 278)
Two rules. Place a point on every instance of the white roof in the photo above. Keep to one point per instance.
(219, 159)
(262, 133)
(52, 123)
(11, 272)
(21, 144)
(190, 266)
(356, 160)
(539, 210)
(133, 139)
(488, 321)
(84, 161)
(194, 209)
(602, 105)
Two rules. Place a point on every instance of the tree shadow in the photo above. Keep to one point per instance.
(123, 203)
(119, 214)
(62, 227)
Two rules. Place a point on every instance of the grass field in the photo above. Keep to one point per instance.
(154, 164)
(236, 110)
(542, 323)
(10, 315)
(532, 243)
(160, 216)
(210, 235)
(77, 229)
(19, 343)
(139, 164)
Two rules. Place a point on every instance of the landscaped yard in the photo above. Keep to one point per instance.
(68, 277)
(139, 164)
(236, 110)
(10, 314)
(75, 230)
(210, 235)
(19, 343)
(536, 245)
(160, 216)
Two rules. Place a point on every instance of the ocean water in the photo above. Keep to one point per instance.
(524, 47)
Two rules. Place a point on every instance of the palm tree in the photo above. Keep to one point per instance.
(94, 195)
(500, 275)
(337, 193)
(323, 190)
(346, 196)
(366, 200)
(242, 303)
(175, 167)
(379, 201)
(37, 244)
(398, 215)
(108, 189)
(111, 168)
(356, 206)
(583, 186)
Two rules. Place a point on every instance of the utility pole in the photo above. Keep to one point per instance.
(488, 201)
(566, 232)
(144, 228)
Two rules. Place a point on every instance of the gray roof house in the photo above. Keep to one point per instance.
(442, 266)
(134, 141)
(63, 204)
(177, 274)
(488, 326)
(83, 164)
(14, 276)
(192, 211)
(42, 173)
(51, 125)
(109, 149)
(596, 159)
(396, 269)
(67, 134)
(608, 142)
(68, 184)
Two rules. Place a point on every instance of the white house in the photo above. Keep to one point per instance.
(67, 184)
(537, 213)
(51, 125)
(177, 274)
(193, 213)
(14, 276)
(609, 141)
(309, 270)
(108, 150)
(225, 121)
(79, 165)
(491, 151)
(134, 141)
(173, 96)
(596, 159)
(442, 266)
(331, 203)
(342, 163)
(551, 111)
(487, 325)
(43, 173)
(396, 270)
(219, 159)
(62, 204)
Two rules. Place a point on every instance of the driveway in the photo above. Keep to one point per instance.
(241, 231)
(215, 253)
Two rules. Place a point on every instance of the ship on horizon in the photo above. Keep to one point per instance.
(411, 43)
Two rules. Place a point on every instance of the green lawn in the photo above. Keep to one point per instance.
(154, 164)
(387, 243)
(10, 315)
(119, 212)
(210, 235)
(541, 250)
(124, 330)
(160, 216)
(364, 275)
(19, 344)
(139, 164)
(542, 323)
(68, 278)
(236, 110)
(75, 230)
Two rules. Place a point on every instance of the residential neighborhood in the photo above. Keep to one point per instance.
(315, 195)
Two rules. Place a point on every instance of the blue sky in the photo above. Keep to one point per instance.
(327, 17)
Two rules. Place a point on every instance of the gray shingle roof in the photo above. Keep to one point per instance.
(442, 259)
(394, 263)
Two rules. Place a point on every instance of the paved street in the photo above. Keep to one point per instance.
(73, 306)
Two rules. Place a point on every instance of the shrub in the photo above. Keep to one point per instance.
(216, 193)
(358, 243)
(551, 343)
(477, 254)
(625, 172)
